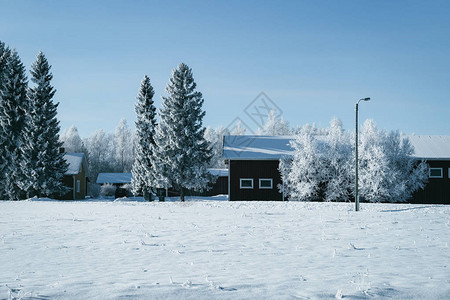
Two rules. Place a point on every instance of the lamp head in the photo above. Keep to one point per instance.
(365, 99)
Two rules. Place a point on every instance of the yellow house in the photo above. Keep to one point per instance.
(75, 178)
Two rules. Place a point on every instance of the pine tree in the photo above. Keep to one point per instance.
(4, 54)
(13, 105)
(43, 164)
(182, 154)
(145, 141)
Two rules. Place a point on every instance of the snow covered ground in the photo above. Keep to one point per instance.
(221, 250)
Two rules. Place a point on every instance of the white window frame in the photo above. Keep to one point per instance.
(265, 187)
(78, 186)
(245, 187)
(441, 176)
(448, 172)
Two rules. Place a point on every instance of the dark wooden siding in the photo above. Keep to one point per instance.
(437, 190)
(254, 169)
(68, 181)
(220, 187)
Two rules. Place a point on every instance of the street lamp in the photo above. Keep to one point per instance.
(356, 153)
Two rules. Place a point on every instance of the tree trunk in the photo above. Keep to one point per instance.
(182, 194)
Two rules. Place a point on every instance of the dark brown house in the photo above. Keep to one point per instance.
(435, 149)
(253, 167)
(76, 176)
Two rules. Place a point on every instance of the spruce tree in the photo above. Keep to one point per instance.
(13, 105)
(181, 152)
(4, 55)
(43, 164)
(145, 132)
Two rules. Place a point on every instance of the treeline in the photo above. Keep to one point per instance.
(30, 162)
(105, 152)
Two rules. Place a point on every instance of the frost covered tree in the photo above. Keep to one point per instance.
(13, 105)
(304, 172)
(123, 146)
(100, 148)
(181, 153)
(387, 171)
(322, 167)
(145, 139)
(215, 139)
(276, 126)
(338, 164)
(43, 164)
(239, 129)
(72, 141)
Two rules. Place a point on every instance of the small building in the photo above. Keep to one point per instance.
(253, 166)
(220, 186)
(253, 162)
(435, 149)
(117, 179)
(76, 176)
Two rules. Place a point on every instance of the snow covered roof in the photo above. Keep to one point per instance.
(435, 147)
(114, 178)
(260, 147)
(219, 172)
(75, 161)
(256, 147)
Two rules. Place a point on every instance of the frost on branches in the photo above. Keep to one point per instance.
(100, 148)
(338, 164)
(387, 171)
(276, 126)
(322, 167)
(215, 139)
(72, 141)
(43, 164)
(13, 105)
(145, 142)
(181, 154)
(303, 173)
(123, 146)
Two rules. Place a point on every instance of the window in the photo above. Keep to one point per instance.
(435, 173)
(265, 183)
(78, 186)
(448, 172)
(246, 183)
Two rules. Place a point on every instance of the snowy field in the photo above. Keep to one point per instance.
(223, 250)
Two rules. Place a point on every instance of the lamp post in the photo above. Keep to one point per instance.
(356, 153)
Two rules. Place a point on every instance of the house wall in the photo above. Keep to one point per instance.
(68, 181)
(254, 169)
(437, 190)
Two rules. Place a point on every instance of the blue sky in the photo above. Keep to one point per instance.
(314, 59)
